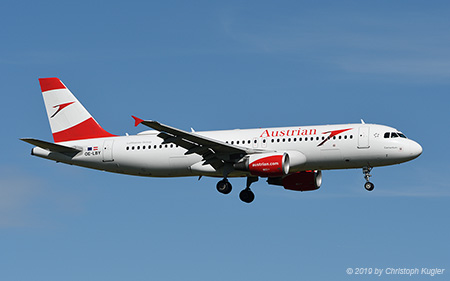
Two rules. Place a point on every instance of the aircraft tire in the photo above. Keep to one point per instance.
(247, 195)
(224, 187)
(369, 186)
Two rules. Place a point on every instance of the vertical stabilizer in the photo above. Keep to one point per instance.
(68, 118)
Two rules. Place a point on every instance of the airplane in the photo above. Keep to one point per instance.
(292, 157)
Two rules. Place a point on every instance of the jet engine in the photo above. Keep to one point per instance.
(265, 164)
(300, 181)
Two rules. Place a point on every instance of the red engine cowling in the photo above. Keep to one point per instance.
(265, 165)
(300, 181)
(303, 181)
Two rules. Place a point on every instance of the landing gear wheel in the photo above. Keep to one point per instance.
(369, 186)
(224, 186)
(247, 195)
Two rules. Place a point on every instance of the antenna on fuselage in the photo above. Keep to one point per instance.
(362, 122)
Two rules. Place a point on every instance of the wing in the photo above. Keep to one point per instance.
(214, 152)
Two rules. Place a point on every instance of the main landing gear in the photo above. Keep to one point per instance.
(224, 186)
(246, 195)
(368, 185)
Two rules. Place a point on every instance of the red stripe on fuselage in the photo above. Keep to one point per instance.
(48, 84)
(332, 134)
(88, 129)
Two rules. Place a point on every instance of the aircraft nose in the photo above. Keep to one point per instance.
(415, 149)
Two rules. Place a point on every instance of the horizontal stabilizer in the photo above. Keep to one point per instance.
(51, 146)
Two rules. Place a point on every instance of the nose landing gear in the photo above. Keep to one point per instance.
(368, 185)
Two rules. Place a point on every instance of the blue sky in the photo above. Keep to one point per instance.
(212, 65)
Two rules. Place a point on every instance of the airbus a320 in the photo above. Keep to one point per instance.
(291, 157)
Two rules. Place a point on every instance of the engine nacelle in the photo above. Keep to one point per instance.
(300, 181)
(265, 164)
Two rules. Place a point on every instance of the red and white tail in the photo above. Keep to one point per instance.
(68, 118)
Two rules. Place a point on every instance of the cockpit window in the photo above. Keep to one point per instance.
(394, 135)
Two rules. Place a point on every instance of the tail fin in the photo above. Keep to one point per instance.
(69, 120)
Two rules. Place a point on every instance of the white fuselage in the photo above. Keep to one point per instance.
(145, 154)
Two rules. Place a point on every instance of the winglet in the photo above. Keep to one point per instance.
(137, 121)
